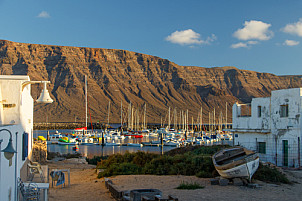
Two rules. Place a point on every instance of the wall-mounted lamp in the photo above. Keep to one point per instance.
(9, 151)
(44, 96)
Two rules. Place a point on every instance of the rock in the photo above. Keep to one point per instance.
(237, 182)
(251, 185)
(39, 152)
(129, 76)
(223, 182)
(214, 181)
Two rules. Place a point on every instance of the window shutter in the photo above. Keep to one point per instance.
(25, 146)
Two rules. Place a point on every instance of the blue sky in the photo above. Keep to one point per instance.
(258, 35)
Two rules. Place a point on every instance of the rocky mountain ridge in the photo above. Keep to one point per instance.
(122, 77)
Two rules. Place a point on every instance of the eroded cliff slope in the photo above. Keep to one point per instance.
(121, 76)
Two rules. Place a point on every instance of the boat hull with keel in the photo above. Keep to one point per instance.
(236, 162)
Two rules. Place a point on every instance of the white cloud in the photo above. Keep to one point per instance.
(252, 42)
(244, 45)
(294, 28)
(44, 14)
(254, 30)
(239, 45)
(291, 42)
(189, 37)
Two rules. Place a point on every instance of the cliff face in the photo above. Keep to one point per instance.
(121, 76)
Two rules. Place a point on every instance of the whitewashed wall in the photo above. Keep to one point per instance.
(270, 127)
(16, 119)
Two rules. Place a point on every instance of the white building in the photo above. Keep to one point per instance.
(271, 126)
(16, 117)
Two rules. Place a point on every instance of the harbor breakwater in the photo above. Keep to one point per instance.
(68, 125)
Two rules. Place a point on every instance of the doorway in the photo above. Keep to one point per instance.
(285, 152)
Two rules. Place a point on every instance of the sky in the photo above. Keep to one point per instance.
(258, 35)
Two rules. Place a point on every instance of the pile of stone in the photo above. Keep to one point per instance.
(234, 181)
(39, 152)
(136, 194)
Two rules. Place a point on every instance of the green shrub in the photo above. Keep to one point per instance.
(203, 174)
(270, 175)
(96, 159)
(120, 169)
(159, 165)
(189, 186)
(141, 158)
(192, 160)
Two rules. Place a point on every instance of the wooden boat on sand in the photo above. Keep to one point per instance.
(236, 162)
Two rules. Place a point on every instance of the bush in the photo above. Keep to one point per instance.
(120, 169)
(74, 155)
(95, 159)
(189, 186)
(159, 165)
(203, 174)
(52, 155)
(270, 175)
(192, 160)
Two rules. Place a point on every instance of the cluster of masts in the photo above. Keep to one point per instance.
(135, 115)
(135, 119)
(182, 121)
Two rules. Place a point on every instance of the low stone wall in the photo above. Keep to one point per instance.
(39, 152)
(54, 126)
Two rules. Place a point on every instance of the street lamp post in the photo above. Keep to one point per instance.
(9, 152)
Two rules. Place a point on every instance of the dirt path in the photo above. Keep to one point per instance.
(86, 186)
(84, 183)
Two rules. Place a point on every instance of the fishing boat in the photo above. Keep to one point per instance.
(113, 143)
(54, 138)
(172, 143)
(236, 162)
(135, 135)
(134, 145)
(86, 141)
(42, 138)
(67, 141)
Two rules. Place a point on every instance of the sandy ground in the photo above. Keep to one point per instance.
(86, 186)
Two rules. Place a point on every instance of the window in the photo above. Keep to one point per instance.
(261, 147)
(283, 110)
(244, 110)
(25, 146)
(259, 111)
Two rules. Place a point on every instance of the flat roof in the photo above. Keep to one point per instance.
(15, 77)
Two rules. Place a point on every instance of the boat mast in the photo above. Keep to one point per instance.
(210, 126)
(214, 121)
(187, 120)
(161, 121)
(108, 112)
(132, 118)
(169, 120)
(145, 123)
(192, 125)
(226, 115)
(200, 118)
(121, 114)
(175, 119)
(86, 100)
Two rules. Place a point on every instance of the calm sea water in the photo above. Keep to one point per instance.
(98, 150)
